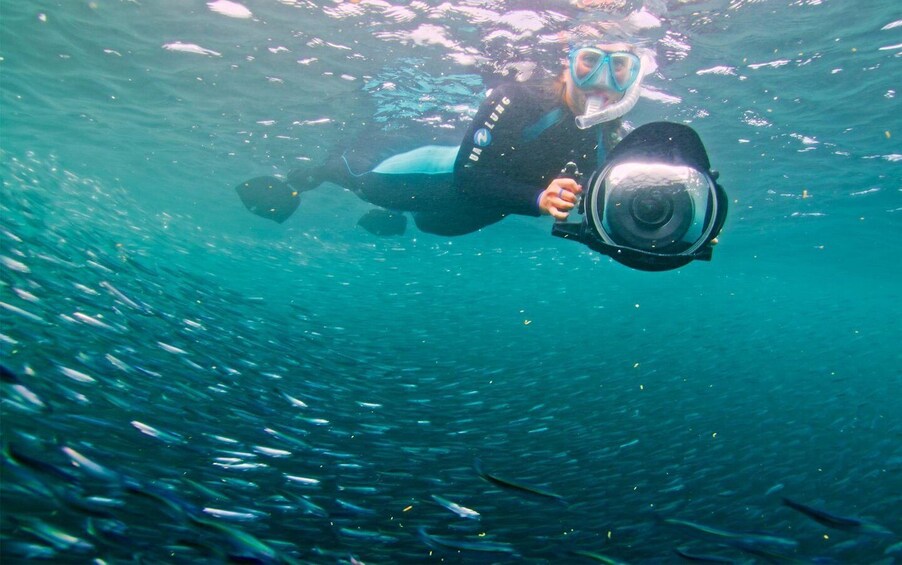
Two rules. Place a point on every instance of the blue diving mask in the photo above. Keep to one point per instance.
(593, 68)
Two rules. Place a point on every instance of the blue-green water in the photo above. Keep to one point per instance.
(314, 386)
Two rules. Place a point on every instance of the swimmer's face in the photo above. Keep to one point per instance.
(584, 63)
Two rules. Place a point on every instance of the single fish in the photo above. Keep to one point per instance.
(119, 364)
(294, 401)
(14, 265)
(77, 375)
(110, 531)
(171, 349)
(12, 453)
(205, 490)
(91, 321)
(504, 483)
(367, 535)
(769, 553)
(774, 489)
(23, 313)
(117, 294)
(483, 546)
(270, 451)
(700, 558)
(242, 541)
(307, 481)
(96, 506)
(371, 405)
(22, 391)
(54, 536)
(287, 438)
(307, 506)
(173, 505)
(99, 266)
(353, 508)
(87, 290)
(153, 432)
(90, 467)
(742, 540)
(240, 466)
(121, 403)
(317, 421)
(600, 558)
(28, 551)
(461, 511)
(838, 522)
(234, 515)
(25, 295)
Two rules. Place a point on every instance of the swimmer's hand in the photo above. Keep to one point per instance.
(559, 198)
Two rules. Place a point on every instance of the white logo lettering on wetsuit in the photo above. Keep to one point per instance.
(483, 136)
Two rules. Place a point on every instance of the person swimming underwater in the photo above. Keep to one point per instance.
(509, 161)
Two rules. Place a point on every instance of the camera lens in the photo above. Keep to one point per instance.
(652, 208)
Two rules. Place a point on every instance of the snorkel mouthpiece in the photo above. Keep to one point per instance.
(594, 108)
(594, 115)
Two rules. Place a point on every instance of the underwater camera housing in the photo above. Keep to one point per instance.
(655, 204)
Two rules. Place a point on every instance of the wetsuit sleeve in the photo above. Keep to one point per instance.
(482, 171)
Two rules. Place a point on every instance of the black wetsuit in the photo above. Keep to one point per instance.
(519, 141)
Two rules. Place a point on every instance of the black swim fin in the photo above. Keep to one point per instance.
(383, 222)
(269, 197)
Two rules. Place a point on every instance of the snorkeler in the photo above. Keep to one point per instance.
(508, 163)
(652, 203)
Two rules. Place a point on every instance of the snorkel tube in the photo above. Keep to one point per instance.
(597, 113)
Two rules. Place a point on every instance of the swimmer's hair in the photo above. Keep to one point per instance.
(596, 32)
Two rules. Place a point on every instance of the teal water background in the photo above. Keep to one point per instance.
(703, 394)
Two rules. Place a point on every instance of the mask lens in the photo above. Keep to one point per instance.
(584, 65)
(624, 69)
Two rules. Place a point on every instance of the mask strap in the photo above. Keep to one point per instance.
(548, 120)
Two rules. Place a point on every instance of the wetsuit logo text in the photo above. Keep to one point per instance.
(483, 136)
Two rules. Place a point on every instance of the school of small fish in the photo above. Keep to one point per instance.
(152, 413)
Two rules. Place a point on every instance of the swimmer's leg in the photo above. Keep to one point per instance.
(459, 219)
(418, 179)
(306, 178)
(383, 222)
(388, 170)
